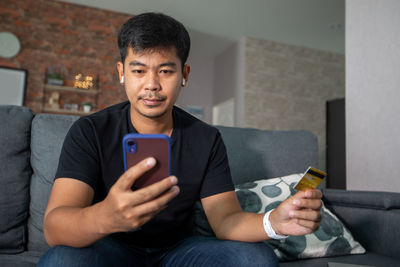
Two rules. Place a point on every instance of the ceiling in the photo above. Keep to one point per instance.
(317, 24)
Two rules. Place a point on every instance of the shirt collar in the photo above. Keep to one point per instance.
(175, 130)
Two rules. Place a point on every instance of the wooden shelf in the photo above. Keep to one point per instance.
(92, 93)
(50, 87)
(67, 111)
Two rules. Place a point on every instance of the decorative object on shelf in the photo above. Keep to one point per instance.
(54, 100)
(83, 82)
(87, 106)
(73, 107)
(9, 45)
(55, 75)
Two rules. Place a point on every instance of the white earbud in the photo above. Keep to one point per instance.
(122, 79)
(183, 82)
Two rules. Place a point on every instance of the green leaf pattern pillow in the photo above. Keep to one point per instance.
(331, 239)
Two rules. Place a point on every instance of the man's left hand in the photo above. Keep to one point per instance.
(299, 214)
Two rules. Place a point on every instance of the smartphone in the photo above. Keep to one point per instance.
(311, 179)
(137, 147)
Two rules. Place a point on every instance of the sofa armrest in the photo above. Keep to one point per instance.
(372, 217)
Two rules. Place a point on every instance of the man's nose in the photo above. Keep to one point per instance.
(152, 82)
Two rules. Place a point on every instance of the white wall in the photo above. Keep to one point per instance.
(373, 94)
(224, 87)
(225, 74)
(199, 91)
(229, 85)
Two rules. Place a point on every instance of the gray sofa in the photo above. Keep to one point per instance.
(29, 150)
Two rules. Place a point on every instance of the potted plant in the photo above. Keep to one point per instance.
(55, 75)
(87, 106)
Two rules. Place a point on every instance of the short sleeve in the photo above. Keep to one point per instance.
(79, 157)
(218, 175)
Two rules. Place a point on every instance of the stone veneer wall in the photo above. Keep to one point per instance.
(53, 33)
(286, 87)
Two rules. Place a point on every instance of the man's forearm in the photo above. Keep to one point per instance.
(242, 226)
(297, 215)
(72, 226)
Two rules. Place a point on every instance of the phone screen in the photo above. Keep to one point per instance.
(137, 147)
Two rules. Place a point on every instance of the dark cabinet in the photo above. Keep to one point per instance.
(336, 144)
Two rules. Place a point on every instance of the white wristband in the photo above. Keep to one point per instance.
(268, 228)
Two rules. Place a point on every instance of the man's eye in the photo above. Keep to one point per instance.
(166, 71)
(137, 71)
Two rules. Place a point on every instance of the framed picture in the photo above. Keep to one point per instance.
(12, 86)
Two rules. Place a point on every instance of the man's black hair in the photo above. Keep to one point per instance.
(153, 31)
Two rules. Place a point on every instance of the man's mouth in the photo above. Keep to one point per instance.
(152, 101)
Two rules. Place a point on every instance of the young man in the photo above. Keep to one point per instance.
(94, 218)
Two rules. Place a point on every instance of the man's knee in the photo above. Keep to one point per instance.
(105, 252)
(246, 254)
(60, 256)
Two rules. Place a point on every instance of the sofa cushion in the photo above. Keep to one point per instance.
(24, 259)
(331, 239)
(48, 133)
(368, 259)
(15, 173)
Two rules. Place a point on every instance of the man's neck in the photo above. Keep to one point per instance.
(145, 125)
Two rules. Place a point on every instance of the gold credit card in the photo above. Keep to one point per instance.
(311, 179)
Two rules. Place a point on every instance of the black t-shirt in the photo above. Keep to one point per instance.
(92, 153)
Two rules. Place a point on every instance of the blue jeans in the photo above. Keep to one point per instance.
(194, 251)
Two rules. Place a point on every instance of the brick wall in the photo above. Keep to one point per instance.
(287, 86)
(78, 38)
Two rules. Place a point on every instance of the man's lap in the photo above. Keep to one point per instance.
(206, 251)
(194, 251)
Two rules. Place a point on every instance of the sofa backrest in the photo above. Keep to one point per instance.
(15, 174)
(259, 154)
(48, 133)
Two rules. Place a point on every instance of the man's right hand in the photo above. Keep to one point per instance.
(125, 210)
(72, 220)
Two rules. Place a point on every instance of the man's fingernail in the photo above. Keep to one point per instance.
(173, 180)
(150, 162)
(291, 213)
(308, 194)
(175, 189)
(296, 202)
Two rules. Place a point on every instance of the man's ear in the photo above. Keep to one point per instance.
(185, 74)
(120, 68)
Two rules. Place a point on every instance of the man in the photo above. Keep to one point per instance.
(94, 218)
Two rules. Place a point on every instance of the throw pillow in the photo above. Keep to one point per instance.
(331, 239)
